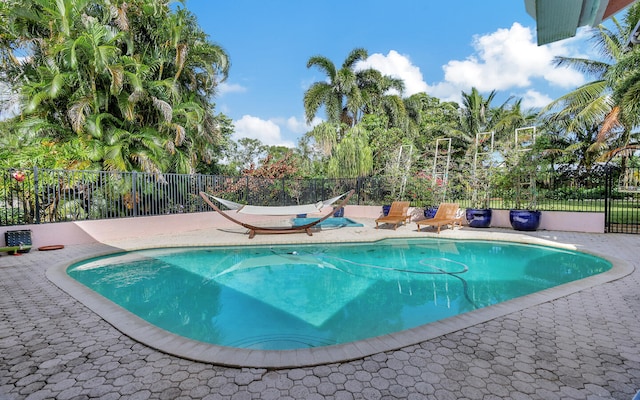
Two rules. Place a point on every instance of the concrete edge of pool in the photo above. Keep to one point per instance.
(167, 342)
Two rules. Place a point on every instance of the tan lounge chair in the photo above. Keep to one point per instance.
(398, 214)
(447, 214)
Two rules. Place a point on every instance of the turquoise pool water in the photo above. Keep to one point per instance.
(287, 297)
(333, 222)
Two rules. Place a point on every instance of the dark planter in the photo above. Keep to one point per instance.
(525, 220)
(339, 212)
(385, 209)
(430, 212)
(479, 217)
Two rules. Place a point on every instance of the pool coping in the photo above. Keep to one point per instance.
(167, 342)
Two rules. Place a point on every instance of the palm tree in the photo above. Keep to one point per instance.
(610, 101)
(382, 95)
(341, 95)
(349, 94)
(132, 82)
(476, 112)
(624, 77)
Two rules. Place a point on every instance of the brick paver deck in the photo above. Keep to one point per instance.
(582, 346)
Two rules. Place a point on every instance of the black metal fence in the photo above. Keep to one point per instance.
(47, 196)
(622, 206)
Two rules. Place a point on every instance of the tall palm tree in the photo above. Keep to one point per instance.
(624, 76)
(475, 117)
(348, 94)
(340, 95)
(476, 111)
(610, 101)
(382, 95)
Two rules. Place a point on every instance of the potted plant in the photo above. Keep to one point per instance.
(479, 214)
(430, 211)
(479, 181)
(524, 216)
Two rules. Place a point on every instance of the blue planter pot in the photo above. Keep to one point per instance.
(525, 220)
(430, 212)
(385, 209)
(478, 217)
(339, 212)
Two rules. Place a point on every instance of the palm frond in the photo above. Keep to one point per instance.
(165, 108)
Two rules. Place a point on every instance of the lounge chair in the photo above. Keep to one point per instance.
(398, 214)
(447, 214)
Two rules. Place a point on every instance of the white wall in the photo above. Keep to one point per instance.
(590, 222)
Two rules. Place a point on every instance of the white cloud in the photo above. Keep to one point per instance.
(268, 132)
(533, 99)
(299, 125)
(225, 88)
(506, 59)
(502, 60)
(398, 66)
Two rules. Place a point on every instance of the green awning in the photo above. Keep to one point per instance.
(560, 19)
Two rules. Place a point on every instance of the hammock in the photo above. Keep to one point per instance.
(287, 210)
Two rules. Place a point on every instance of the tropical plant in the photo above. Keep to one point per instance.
(476, 111)
(352, 157)
(610, 101)
(131, 82)
(350, 93)
(516, 177)
(340, 94)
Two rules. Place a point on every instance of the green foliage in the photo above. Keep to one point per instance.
(608, 104)
(352, 156)
(130, 83)
(420, 190)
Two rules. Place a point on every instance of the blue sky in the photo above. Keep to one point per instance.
(437, 47)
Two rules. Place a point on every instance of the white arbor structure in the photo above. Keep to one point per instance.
(483, 160)
(525, 138)
(400, 169)
(441, 165)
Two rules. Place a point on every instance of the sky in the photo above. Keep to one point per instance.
(439, 47)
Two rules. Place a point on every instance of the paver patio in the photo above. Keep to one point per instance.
(582, 346)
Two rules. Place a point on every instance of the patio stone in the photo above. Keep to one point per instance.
(585, 345)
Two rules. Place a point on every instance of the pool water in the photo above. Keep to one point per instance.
(300, 296)
(333, 222)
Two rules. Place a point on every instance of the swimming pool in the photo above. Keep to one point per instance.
(308, 296)
(333, 222)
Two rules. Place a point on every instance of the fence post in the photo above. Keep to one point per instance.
(322, 186)
(284, 203)
(199, 205)
(36, 194)
(134, 190)
(607, 194)
(246, 190)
